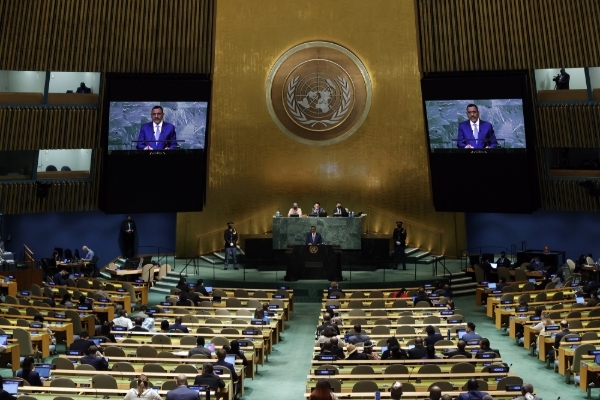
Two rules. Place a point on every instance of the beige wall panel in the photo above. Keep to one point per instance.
(255, 169)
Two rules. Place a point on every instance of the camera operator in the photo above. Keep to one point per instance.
(562, 80)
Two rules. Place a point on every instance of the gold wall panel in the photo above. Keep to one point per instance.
(106, 35)
(467, 35)
(255, 169)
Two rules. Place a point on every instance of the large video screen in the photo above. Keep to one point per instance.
(155, 133)
(475, 124)
(132, 125)
(481, 136)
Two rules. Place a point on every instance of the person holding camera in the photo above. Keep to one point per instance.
(562, 80)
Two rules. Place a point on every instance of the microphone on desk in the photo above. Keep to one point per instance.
(410, 373)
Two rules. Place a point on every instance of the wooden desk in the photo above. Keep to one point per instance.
(124, 379)
(11, 287)
(128, 272)
(12, 355)
(269, 292)
(41, 340)
(87, 320)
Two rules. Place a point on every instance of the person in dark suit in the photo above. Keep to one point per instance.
(318, 211)
(419, 351)
(138, 325)
(127, 233)
(182, 392)
(536, 264)
(313, 238)
(484, 347)
(209, 378)
(82, 344)
(399, 238)
(94, 358)
(502, 284)
(327, 322)
(564, 326)
(503, 261)
(59, 277)
(178, 325)
(157, 130)
(231, 237)
(327, 350)
(432, 336)
(339, 210)
(29, 373)
(4, 395)
(422, 296)
(475, 133)
(336, 349)
(83, 89)
(221, 353)
(473, 391)
(460, 350)
(192, 295)
(200, 288)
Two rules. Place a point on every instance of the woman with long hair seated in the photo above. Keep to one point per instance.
(234, 348)
(67, 300)
(29, 373)
(391, 343)
(322, 391)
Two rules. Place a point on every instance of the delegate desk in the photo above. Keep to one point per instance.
(82, 378)
(342, 231)
(11, 355)
(271, 293)
(314, 262)
(496, 394)
(180, 354)
(87, 319)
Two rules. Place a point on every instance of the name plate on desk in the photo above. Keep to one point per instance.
(278, 296)
(447, 312)
(258, 322)
(250, 332)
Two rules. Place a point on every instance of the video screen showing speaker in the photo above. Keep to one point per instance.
(481, 135)
(154, 137)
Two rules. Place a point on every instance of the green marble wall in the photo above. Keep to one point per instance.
(345, 232)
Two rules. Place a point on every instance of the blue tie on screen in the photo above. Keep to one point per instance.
(476, 134)
(157, 136)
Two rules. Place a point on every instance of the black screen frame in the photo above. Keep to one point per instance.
(171, 176)
(496, 180)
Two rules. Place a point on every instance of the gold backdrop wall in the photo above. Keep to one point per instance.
(255, 169)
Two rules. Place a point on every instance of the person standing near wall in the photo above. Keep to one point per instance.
(127, 232)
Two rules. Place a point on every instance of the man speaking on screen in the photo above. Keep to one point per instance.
(475, 133)
(157, 135)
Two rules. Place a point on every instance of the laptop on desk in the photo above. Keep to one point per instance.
(491, 285)
(494, 265)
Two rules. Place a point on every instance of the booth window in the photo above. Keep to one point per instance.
(16, 165)
(561, 84)
(595, 82)
(22, 87)
(74, 88)
(573, 162)
(64, 164)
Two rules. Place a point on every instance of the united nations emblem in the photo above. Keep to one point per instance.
(318, 93)
(313, 249)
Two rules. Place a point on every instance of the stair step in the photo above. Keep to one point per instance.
(219, 255)
(211, 259)
(418, 255)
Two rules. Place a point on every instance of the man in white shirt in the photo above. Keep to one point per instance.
(122, 320)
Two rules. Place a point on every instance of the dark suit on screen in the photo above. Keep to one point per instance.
(147, 136)
(318, 239)
(486, 138)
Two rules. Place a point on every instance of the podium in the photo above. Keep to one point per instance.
(314, 262)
